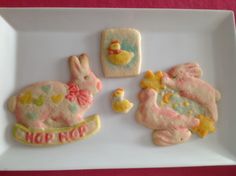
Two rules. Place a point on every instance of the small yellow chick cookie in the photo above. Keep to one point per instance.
(119, 104)
(206, 126)
(152, 80)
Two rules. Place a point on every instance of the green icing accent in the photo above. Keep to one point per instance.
(31, 115)
(46, 88)
(39, 101)
(73, 107)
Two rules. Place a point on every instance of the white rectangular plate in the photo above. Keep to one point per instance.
(35, 44)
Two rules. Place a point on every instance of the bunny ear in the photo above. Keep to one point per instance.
(84, 61)
(193, 69)
(75, 66)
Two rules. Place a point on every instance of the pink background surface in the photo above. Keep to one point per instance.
(180, 4)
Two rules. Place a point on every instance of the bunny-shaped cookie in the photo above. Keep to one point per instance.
(52, 104)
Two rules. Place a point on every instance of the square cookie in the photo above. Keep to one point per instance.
(121, 52)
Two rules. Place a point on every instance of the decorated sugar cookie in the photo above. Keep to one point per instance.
(56, 136)
(119, 104)
(121, 52)
(177, 103)
(45, 110)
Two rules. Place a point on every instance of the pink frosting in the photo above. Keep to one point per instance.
(83, 97)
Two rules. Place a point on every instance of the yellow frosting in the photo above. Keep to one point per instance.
(152, 80)
(57, 98)
(26, 98)
(122, 58)
(122, 106)
(206, 126)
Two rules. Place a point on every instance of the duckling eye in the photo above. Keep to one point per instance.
(117, 93)
(86, 77)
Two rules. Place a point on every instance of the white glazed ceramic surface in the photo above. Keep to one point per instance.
(35, 44)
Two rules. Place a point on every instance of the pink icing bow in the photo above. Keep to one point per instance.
(83, 97)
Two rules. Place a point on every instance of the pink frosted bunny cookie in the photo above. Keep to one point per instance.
(177, 103)
(51, 112)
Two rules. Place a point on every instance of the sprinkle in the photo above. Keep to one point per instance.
(175, 106)
(190, 112)
(186, 104)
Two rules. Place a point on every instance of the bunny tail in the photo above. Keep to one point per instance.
(11, 104)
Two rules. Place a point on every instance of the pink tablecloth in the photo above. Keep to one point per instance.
(189, 4)
(183, 4)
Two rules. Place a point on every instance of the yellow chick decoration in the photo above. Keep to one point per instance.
(118, 56)
(206, 126)
(152, 80)
(119, 104)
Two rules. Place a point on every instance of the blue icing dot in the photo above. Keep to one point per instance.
(31, 115)
(73, 108)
